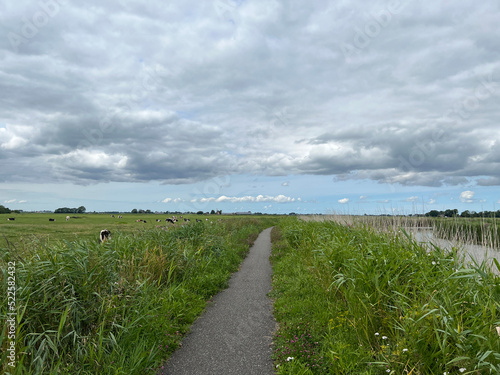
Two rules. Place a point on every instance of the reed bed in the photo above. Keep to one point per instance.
(120, 307)
(354, 300)
(466, 231)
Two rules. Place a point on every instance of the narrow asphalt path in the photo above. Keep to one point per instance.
(234, 334)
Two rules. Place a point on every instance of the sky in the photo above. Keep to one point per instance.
(348, 107)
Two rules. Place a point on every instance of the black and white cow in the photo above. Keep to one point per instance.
(104, 235)
(52, 219)
(11, 219)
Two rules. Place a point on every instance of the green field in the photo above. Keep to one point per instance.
(28, 226)
(350, 297)
(121, 307)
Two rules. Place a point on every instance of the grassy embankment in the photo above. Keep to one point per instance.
(351, 300)
(120, 307)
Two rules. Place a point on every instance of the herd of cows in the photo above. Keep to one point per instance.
(105, 234)
(172, 220)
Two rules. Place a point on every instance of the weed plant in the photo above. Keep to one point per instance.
(377, 303)
(121, 307)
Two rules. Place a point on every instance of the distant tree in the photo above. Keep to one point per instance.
(433, 213)
(4, 210)
(466, 213)
(199, 213)
(134, 211)
(212, 212)
(68, 210)
(451, 213)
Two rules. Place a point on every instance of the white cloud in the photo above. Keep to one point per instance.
(412, 199)
(467, 196)
(247, 199)
(431, 201)
(10, 201)
(172, 200)
(344, 200)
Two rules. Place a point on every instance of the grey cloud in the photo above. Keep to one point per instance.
(184, 92)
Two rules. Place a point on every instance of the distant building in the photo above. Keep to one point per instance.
(243, 213)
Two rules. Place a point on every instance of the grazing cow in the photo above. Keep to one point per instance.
(52, 219)
(67, 218)
(138, 220)
(198, 221)
(120, 217)
(158, 220)
(104, 235)
(187, 220)
(113, 216)
(168, 220)
(11, 219)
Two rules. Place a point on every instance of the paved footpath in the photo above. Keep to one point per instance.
(234, 334)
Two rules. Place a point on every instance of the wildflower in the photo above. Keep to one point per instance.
(388, 370)
(405, 350)
(433, 263)
(376, 333)
(462, 369)
(384, 337)
(289, 359)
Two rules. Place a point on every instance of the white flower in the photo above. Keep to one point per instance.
(388, 370)
(405, 350)
(384, 337)
(376, 333)
(445, 373)
(433, 263)
(462, 369)
(289, 359)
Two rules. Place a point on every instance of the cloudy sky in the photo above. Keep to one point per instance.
(261, 105)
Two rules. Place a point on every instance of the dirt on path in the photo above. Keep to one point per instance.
(234, 334)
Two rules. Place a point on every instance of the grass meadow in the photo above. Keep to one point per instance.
(121, 307)
(353, 300)
(351, 296)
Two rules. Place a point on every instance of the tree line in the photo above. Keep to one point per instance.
(67, 210)
(466, 213)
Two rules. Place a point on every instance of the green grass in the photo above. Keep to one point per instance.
(29, 227)
(350, 300)
(121, 307)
